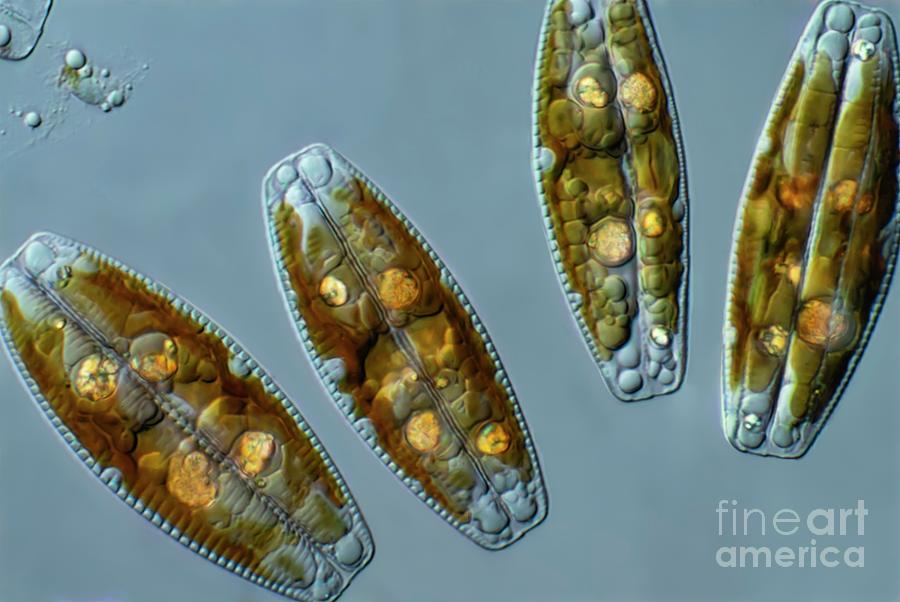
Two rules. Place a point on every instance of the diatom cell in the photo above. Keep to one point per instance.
(816, 236)
(21, 26)
(400, 348)
(611, 179)
(178, 421)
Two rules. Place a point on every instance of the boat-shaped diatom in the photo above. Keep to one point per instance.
(611, 179)
(178, 421)
(816, 233)
(400, 348)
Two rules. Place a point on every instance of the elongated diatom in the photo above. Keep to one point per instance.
(816, 233)
(611, 179)
(178, 421)
(400, 348)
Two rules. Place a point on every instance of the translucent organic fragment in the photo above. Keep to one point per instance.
(173, 416)
(400, 348)
(21, 26)
(610, 175)
(816, 233)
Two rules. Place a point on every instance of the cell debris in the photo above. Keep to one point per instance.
(178, 421)
(611, 177)
(78, 92)
(400, 348)
(816, 235)
(91, 85)
(21, 26)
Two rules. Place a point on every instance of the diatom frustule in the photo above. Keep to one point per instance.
(816, 234)
(178, 421)
(21, 26)
(611, 179)
(400, 348)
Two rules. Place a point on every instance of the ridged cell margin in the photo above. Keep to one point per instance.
(286, 178)
(598, 184)
(22, 25)
(816, 233)
(112, 476)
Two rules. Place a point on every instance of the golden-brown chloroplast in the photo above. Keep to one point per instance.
(611, 179)
(400, 348)
(176, 419)
(816, 233)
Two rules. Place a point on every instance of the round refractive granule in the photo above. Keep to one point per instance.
(333, 291)
(423, 431)
(630, 381)
(863, 49)
(5, 36)
(286, 174)
(820, 324)
(189, 480)
(86, 71)
(773, 340)
(253, 451)
(639, 92)
(752, 423)
(104, 72)
(660, 336)
(398, 288)
(590, 93)
(95, 377)
(75, 59)
(32, 119)
(154, 356)
(104, 106)
(611, 241)
(652, 224)
(493, 439)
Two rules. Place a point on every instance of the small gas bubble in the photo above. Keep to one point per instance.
(32, 119)
(75, 59)
(116, 98)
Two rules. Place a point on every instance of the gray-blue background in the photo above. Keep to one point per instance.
(432, 99)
